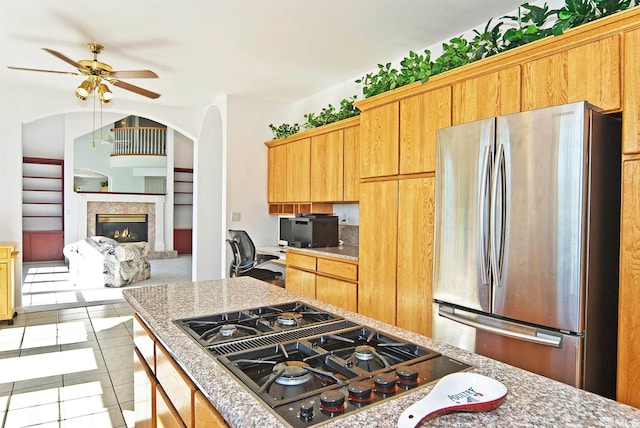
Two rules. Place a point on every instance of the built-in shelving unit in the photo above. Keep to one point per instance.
(183, 209)
(42, 209)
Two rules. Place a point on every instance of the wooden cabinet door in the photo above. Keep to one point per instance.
(166, 415)
(299, 171)
(416, 202)
(205, 415)
(327, 167)
(336, 292)
(177, 386)
(489, 95)
(6, 306)
(379, 146)
(420, 117)
(301, 282)
(378, 250)
(628, 380)
(277, 174)
(590, 72)
(351, 184)
(631, 108)
(144, 386)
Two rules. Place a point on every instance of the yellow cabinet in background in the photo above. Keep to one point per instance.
(7, 281)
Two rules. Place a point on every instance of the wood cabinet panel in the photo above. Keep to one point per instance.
(378, 250)
(489, 95)
(300, 281)
(299, 171)
(631, 82)
(351, 184)
(628, 381)
(145, 342)
(166, 415)
(379, 145)
(336, 292)
(42, 245)
(277, 174)
(303, 261)
(178, 387)
(144, 386)
(416, 211)
(7, 281)
(420, 117)
(327, 166)
(589, 72)
(337, 268)
(205, 415)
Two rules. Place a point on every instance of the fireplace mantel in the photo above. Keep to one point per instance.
(157, 200)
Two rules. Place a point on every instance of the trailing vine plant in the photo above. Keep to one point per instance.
(530, 24)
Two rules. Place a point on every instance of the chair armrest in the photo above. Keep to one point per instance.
(263, 258)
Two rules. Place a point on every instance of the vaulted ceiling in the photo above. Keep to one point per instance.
(277, 50)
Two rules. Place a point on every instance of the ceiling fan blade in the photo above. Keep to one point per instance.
(68, 60)
(133, 74)
(136, 89)
(44, 71)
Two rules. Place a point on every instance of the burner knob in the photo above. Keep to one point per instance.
(361, 392)
(407, 375)
(332, 401)
(385, 382)
(306, 411)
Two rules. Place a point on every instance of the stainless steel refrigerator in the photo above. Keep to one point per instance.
(527, 242)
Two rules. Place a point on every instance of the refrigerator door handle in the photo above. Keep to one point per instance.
(495, 185)
(500, 327)
(482, 233)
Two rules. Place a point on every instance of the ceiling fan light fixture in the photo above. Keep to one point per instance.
(104, 93)
(84, 89)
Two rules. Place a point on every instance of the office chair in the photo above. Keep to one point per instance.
(245, 259)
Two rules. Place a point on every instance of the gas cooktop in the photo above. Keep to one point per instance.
(310, 366)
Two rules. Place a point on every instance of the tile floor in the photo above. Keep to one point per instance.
(68, 368)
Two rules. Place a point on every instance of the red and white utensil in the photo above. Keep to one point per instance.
(457, 392)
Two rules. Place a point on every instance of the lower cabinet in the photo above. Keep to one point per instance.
(332, 280)
(164, 395)
(7, 281)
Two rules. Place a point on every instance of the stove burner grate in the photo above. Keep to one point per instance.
(279, 337)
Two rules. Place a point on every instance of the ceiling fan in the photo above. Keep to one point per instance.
(97, 74)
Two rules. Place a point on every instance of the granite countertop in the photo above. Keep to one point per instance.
(532, 400)
(343, 252)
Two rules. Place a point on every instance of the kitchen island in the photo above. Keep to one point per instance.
(532, 400)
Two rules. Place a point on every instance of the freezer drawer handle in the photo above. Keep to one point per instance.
(537, 337)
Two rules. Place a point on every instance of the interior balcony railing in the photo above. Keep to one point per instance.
(139, 141)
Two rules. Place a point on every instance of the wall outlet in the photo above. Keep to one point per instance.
(235, 216)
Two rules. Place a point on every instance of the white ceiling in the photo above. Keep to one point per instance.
(277, 50)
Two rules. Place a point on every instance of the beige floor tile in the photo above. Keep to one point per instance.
(111, 332)
(116, 351)
(128, 412)
(107, 418)
(8, 346)
(42, 382)
(115, 342)
(76, 343)
(34, 397)
(124, 392)
(120, 363)
(6, 388)
(98, 385)
(33, 348)
(33, 415)
(120, 377)
(71, 377)
(88, 405)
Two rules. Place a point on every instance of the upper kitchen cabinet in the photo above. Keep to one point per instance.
(488, 95)
(277, 174)
(379, 140)
(420, 116)
(299, 171)
(351, 147)
(327, 166)
(631, 104)
(588, 72)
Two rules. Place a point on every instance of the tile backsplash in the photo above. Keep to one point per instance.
(349, 235)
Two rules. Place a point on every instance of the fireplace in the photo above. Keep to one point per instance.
(123, 227)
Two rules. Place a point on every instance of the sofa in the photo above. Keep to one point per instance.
(100, 260)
